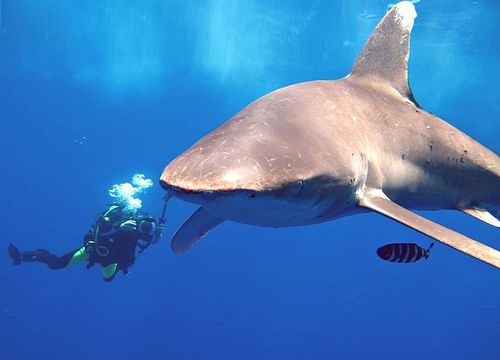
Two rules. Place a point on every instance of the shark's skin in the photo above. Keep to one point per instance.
(320, 150)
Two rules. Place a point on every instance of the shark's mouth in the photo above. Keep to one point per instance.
(206, 197)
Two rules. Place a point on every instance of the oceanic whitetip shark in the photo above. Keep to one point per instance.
(316, 151)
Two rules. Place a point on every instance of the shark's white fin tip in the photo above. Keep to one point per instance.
(406, 12)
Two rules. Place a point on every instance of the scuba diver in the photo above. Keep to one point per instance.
(114, 241)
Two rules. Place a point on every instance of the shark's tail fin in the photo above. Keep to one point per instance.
(385, 55)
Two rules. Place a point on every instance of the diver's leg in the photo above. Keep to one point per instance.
(73, 257)
(109, 272)
(51, 260)
(79, 256)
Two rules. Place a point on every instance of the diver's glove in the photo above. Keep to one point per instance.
(90, 246)
(159, 230)
(129, 225)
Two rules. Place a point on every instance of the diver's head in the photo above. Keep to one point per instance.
(147, 226)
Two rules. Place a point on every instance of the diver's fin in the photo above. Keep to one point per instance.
(14, 254)
(197, 226)
(483, 215)
(377, 201)
(385, 55)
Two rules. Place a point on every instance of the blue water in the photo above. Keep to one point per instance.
(92, 92)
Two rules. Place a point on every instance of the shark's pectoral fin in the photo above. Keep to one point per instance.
(483, 215)
(197, 226)
(377, 201)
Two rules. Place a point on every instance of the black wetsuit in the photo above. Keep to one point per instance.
(120, 249)
(111, 242)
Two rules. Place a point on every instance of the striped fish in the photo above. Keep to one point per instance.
(403, 253)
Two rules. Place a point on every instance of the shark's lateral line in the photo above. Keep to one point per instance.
(320, 150)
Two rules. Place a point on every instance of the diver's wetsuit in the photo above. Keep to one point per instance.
(111, 242)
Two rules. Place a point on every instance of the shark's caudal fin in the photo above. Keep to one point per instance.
(385, 55)
(197, 226)
(377, 201)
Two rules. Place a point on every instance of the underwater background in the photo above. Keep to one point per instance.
(92, 92)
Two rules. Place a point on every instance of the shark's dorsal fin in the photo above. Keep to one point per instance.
(376, 200)
(385, 55)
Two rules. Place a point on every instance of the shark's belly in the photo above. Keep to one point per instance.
(268, 212)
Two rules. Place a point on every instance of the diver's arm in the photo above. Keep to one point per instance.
(158, 232)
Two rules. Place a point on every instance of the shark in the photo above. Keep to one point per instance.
(320, 150)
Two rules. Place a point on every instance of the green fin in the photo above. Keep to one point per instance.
(109, 271)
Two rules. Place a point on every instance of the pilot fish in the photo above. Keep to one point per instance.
(403, 252)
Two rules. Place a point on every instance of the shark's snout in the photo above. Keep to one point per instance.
(207, 169)
(186, 177)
